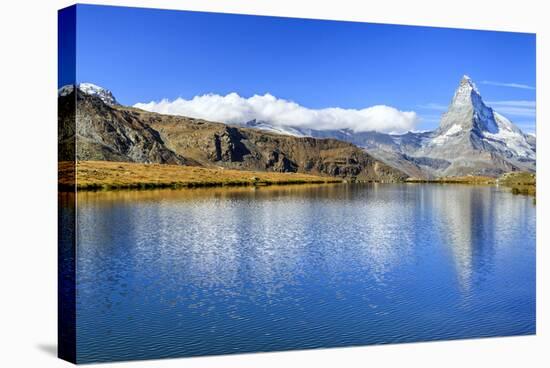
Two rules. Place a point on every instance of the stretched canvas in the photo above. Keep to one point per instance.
(237, 183)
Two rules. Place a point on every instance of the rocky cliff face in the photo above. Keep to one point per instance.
(117, 133)
(107, 133)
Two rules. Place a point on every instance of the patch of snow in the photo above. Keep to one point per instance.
(509, 137)
(104, 94)
(453, 130)
(90, 89)
(65, 90)
(465, 91)
(504, 124)
(279, 130)
(262, 125)
(442, 138)
(470, 82)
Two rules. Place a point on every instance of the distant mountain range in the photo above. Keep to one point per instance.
(471, 139)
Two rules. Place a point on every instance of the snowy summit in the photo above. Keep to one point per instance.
(90, 89)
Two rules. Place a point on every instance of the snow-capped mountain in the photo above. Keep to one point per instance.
(468, 116)
(90, 89)
(475, 139)
(472, 138)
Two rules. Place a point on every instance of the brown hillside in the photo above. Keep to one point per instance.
(118, 133)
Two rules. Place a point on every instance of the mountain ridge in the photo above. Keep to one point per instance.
(108, 132)
(472, 139)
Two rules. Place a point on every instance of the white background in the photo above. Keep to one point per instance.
(28, 133)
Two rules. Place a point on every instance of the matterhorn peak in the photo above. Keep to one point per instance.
(90, 89)
(466, 91)
(467, 110)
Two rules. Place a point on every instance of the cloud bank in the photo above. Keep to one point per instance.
(234, 109)
(512, 85)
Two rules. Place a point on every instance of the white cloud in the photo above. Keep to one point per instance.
(503, 84)
(515, 108)
(234, 109)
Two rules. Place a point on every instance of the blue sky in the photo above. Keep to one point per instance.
(144, 54)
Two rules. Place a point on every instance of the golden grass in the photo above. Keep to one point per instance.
(520, 182)
(94, 175)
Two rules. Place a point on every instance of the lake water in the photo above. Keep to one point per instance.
(217, 271)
